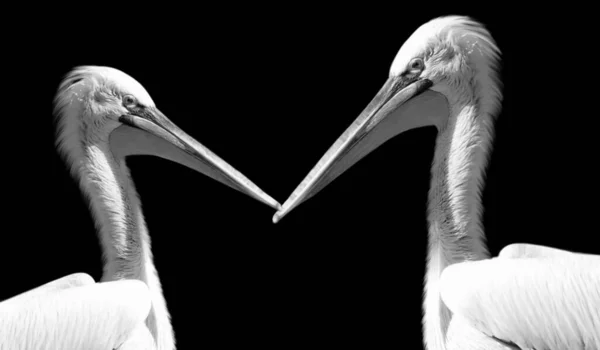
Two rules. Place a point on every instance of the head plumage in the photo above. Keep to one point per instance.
(460, 33)
(463, 43)
(81, 98)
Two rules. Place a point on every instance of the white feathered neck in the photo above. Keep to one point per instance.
(473, 90)
(83, 128)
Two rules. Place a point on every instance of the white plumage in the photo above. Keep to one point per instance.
(530, 297)
(76, 313)
(103, 116)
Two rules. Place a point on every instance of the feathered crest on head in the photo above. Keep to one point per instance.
(483, 55)
(69, 105)
(476, 42)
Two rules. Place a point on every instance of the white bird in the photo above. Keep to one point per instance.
(530, 297)
(104, 115)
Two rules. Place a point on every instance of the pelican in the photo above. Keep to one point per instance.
(103, 115)
(529, 297)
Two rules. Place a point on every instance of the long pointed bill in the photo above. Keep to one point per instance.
(400, 105)
(149, 132)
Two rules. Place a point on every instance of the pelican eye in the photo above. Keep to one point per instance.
(416, 64)
(129, 101)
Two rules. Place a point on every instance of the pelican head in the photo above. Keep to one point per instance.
(447, 64)
(104, 110)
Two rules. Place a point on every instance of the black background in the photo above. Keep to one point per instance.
(269, 90)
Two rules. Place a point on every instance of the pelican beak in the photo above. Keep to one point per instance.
(402, 104)
(146, 131)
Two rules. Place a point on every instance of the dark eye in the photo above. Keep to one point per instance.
(416, 64)
(129, 100)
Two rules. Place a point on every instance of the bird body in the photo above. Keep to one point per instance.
(445, 75)
(103, 116)
(75, 313)
(535, 302)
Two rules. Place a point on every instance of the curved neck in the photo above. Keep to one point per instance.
(455, 232)
(124, 237)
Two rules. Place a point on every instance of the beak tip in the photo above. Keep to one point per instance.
(278, 216)
(282, 211)
(275, 206)
(271, 202)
